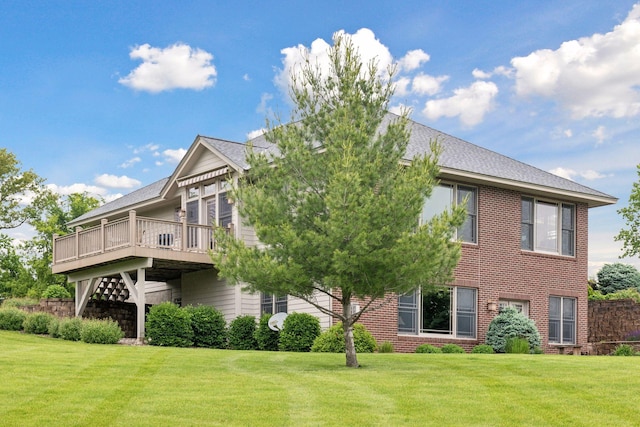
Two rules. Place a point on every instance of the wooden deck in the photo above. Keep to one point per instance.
(133, 237)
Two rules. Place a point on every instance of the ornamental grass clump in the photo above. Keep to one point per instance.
(517, 345)
(510, 323)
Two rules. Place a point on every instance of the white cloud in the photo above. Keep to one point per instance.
(174, 156)
(401, 86)
(256, 133)
(365, 41)
(264, 99)
(112, 181)
(424, 84)
(591, 77)
(600, 134)
(246, 78)
(568, 133)
(148, 147)
(65, 190)
(412, 60)
(498, 71)
(481, 75)
(470, 104)
(131, 162)
(175, 67)
(589, 175)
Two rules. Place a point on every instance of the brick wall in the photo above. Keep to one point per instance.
(499, 269)
(123, 313)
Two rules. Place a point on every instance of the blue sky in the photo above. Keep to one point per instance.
(105, 96)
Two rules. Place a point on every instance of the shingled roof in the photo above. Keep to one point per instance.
(458, 158)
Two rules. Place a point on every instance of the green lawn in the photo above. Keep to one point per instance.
(49, 382)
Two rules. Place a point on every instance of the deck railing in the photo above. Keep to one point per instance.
(129, 232)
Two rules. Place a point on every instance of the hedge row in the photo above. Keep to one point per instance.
(91, 331)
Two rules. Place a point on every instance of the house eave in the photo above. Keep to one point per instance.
(591, 200)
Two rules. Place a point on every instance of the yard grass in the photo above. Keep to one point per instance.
(49, 382)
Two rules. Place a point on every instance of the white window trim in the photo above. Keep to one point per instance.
(454, 202)
(558, 204)
(453, 312)
(514, 303)
(562, 321)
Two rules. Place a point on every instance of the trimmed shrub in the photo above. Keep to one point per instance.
(517, 345)
(56, 291)
(241, 333)
(11, 318)
(332, 340)
(452, 348)
(386, 347)
(482, 349)
(428, 348)
(101, 331)
(37, 323)
(266, 339)
(624, 350)
(209, 326)
(70, 329)
(510, 323)
(298, 332)
(169, 325)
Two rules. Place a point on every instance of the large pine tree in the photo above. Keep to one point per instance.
(335, 206)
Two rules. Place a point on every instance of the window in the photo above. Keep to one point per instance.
(445, 311)
(562, 320)
(521, 306)
(443, 197)
(271, 304)
(548, 227)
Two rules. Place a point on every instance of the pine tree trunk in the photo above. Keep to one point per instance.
(349, 344)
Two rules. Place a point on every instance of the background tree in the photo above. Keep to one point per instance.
(336, 209)
(630, 236)
(55, 212)
(16, 187)
(616, 277)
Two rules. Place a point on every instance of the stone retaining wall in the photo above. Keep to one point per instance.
(122, 312)
(611, 323)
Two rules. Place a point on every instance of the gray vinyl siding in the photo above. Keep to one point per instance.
(206, 162)
(205, 288)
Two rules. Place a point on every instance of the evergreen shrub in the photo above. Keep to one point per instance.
(209, 326)
(510, 323)
(11, 318)
(37, 323)
(169, 325)
(428, 348)
(332, 340)
(56, 291)
(298, 332)
(101, 331)
(266, 339)
(242, 331)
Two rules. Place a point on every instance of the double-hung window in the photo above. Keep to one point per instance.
(272, 304)
(548, 226)
(562, 320)
(443, 311)
(443, 197)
